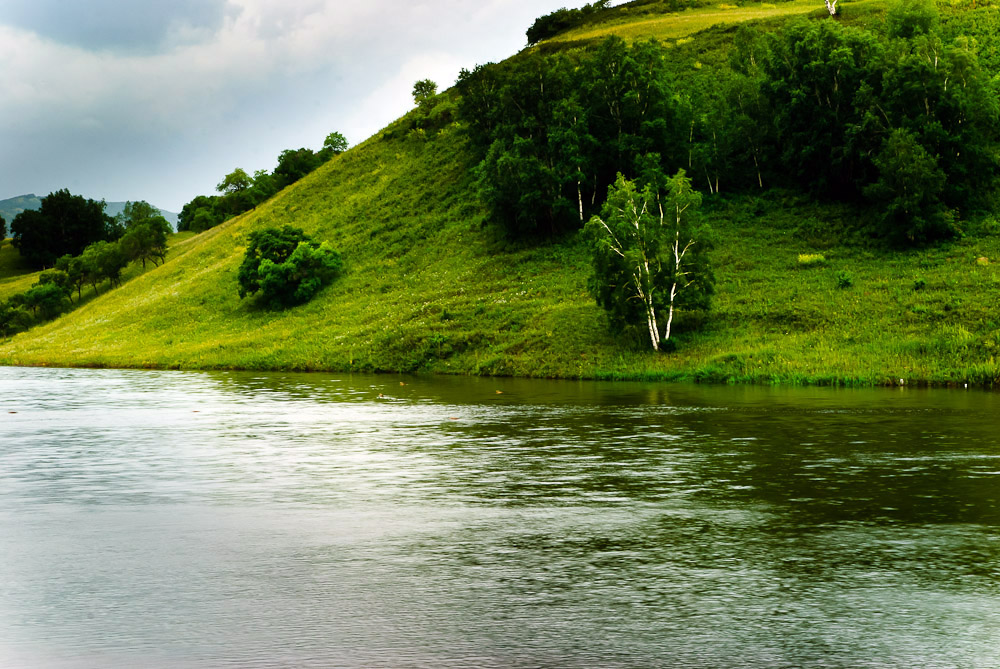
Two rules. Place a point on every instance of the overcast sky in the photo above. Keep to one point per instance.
(158, 99)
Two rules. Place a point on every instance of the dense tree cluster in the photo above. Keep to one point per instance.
(64, 224)
(552, 133)
(241, 192)
(905, 120)
(137, 234)
(284, 267)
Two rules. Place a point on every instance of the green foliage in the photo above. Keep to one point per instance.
(909, 18)
(909, 189)
(103, 261)
(236, 181)
(844, 280)
(3, 229)
(45, 299)
(134, 214)
(335, 143)
(908, 123)
(65, 223)
(293, 165)
(551, 134)
(423, 92)
(286, 267)
(200, 214)
(146, 241)
(13, 317)
(76, 273)
(649, 257)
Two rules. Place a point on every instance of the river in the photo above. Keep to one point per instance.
(175, 519)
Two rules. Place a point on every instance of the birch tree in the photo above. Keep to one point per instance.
(649, 259)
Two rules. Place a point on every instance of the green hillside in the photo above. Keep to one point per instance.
(431, 286)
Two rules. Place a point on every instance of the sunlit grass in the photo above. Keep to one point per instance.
(689, 21)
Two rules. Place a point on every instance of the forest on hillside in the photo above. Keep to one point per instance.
(899, 115)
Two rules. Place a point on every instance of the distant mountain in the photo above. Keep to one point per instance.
(11, 207)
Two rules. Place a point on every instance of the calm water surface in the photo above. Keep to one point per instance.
(169, 519)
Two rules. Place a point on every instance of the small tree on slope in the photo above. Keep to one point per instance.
(648, 255)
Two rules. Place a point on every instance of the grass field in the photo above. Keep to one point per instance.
(689, 21)
(428, 287)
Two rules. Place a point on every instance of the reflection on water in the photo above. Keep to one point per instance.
(256, 520)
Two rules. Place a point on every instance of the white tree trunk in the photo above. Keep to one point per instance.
(831, 6)
(670, 313)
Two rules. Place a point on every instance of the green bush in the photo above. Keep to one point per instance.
(286, 267)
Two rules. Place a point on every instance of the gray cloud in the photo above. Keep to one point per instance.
(165, 124)
(136, 26)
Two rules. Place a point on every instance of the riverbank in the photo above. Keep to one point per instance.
(430, 288)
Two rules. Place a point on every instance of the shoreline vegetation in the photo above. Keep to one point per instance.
(804, 294)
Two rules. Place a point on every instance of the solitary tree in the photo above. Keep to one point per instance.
(648, 254)
(335, 143)
(3, 229)
(423, 91)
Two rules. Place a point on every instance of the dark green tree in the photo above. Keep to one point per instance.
(286, 267)
(48, 298)
(14, 317)
(64, 223)
(3, 229)
(200, 214)
(146, 241)
(813, 72)
(335, 144)
(293, 165)
(104, 261)
(76, 273)
(236, 196)
(423, 92)
(909, 191)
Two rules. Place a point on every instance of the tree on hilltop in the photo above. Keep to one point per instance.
(423, 91)
(335, 143)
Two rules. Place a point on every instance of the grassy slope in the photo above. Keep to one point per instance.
(13, 277)
(690, 21)
(427, 288)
